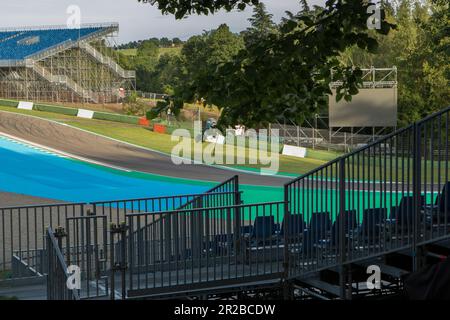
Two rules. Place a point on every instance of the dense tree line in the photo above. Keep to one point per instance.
(283, 70)
(162, 43)
(420, 49)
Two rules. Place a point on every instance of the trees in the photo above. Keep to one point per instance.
(285, 73)
(177, 41)
(181, 8)
(201, 56)
(419, 47)
(261, 24)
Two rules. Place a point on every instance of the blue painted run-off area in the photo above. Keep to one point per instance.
(31, 171)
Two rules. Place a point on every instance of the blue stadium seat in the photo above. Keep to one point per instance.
(296, 226)
(319, 226)
(350, 224)
(403, 215)
(443, 200)
(372, 224)
(263, 230)
(318, 231)
(12, 47)
(440, 211)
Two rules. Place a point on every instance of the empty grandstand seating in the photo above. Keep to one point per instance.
(48, 56)
(13, 44)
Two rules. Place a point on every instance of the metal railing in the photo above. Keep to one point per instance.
(22, 229)
(390, 195)
(62, 79)
(226, 193)
(57, 271)
(113, 25)
(97, 55)
(201, 246)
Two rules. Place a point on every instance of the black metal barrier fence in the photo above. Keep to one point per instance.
(191, 247)
(23, 232)
(23, 229)
(116, 210)
(391, 195)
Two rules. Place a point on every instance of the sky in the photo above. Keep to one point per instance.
(137, 21)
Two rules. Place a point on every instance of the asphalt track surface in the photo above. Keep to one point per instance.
(114, 153)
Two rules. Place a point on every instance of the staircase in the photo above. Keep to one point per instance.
(62, 79)
(97, 55)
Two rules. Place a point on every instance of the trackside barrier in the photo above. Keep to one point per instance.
(391, 195)
(74, 111)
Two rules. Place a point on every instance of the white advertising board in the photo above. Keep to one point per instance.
(25, 105)
(293, 151)
(88, 114)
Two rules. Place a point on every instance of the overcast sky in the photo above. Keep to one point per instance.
(137, 20)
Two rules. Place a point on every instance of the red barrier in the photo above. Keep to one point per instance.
(143, 121)
(160, 128)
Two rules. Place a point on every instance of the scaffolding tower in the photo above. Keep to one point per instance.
(56, 64)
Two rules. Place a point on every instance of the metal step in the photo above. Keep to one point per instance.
(193, 290)
(322, 285)
(385, 269)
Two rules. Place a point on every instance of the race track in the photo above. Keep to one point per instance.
(114, 153)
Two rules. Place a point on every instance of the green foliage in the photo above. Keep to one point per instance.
(131, 98)
(181, 8)
(160, 107)
(161, 43)
(420, 48)
(283, 70)
(133, 106)
(283, 73)
(261, 24)
(201, 56)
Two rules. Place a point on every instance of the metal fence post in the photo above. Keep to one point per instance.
(121, 266)
(417, 259)
(237, 217)
(342, 235)
(286, 291)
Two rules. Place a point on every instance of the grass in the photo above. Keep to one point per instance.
(171, 51)
(128, 52)
(162, 142)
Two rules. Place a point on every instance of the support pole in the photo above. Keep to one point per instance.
(342, 235)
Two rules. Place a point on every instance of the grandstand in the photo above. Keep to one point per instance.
(58, 64)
